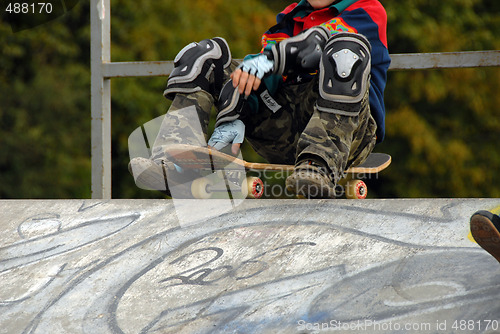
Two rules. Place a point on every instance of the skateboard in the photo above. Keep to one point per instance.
(221, 172)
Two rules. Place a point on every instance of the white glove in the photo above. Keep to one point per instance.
(228, 133)
(258, 66)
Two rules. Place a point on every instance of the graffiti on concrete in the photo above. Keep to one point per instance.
(102, 267)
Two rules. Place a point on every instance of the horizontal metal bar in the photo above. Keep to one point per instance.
(421, 61)
(405, 61)
(137, 69)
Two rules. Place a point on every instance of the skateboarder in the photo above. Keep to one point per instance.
(312, 97)
(485, 227)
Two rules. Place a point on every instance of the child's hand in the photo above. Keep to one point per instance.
(245, 82)
(248, 75)
(228, 133)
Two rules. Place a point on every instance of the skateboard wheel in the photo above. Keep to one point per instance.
(199, 188)
(356, 189)
(253, 187)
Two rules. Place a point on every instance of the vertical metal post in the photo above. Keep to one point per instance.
(100, 23)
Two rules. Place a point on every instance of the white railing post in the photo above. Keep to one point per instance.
(100, 99)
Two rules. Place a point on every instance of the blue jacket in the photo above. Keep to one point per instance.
(366, 17)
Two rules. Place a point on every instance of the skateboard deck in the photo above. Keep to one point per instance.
(207, 160)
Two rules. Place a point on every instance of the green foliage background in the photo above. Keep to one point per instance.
(442, 125)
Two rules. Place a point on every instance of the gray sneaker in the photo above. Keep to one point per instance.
(148, 175)
(163, 176)
(310, 179)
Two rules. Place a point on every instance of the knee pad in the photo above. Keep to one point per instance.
(301, 52)
(344, 74)
(194, 65)
(230, 105)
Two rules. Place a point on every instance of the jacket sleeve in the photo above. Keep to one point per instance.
(371, 21)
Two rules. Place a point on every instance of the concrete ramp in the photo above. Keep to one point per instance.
(255, 266)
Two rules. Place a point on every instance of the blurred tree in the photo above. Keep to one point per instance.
(44, 109)
(442, 124)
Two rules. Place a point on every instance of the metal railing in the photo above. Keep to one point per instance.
(103, 70)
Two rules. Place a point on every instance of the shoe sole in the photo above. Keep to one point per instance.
(486, 235)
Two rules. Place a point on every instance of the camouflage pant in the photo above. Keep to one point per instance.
(187, 119)
(295, 132)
